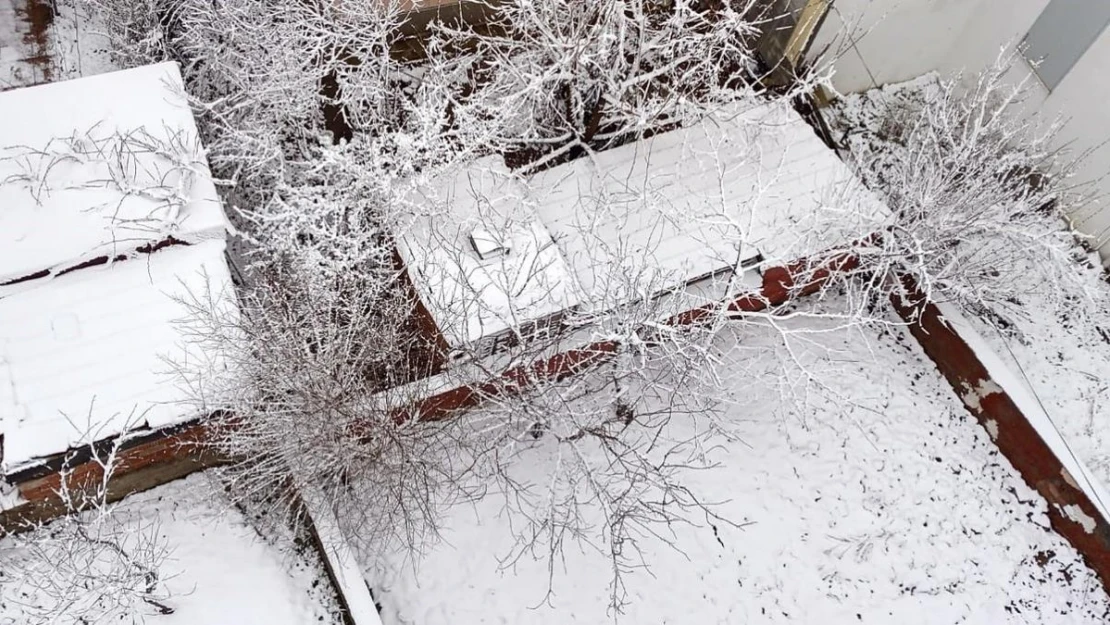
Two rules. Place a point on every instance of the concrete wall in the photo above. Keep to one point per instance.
(1080, 100)
(882, 41)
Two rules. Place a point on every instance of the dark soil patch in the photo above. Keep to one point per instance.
(39, 14)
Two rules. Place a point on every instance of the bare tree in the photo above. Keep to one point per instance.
(979, 189)
(269, 78)
(318, 366)
(329, 363)
(602, 391)
(91, 565)
(552, 77)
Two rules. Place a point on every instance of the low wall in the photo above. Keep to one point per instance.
(1071, 510)
(158, 458)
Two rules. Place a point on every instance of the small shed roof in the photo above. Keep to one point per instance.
(639, 219)
(471, 294)
(99, 166)
(93, 171)
(96, 352)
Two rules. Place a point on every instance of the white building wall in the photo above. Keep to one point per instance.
(882, 41)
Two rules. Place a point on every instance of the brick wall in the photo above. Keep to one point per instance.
(162, 458)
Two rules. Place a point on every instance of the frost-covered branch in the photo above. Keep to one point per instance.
(93, 564)
(978, 187)
(551, 77)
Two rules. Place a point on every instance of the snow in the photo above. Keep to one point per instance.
(80, 46)
(9, 496)
(878, 501)
(43, 49)
(633, 220)
(1006, 379)
(88, 355)
(341, 558)
(1059, 358)
(221, 571)
(469, 297)
(100, 166)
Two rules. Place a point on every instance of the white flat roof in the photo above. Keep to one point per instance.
(92, 168)
(637, 219)
(84, 356)
(697, 200)
(100, 166)
(470, 297)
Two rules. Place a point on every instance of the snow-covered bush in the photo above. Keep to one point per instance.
(549, 76)
(978, 189)
(269, 78)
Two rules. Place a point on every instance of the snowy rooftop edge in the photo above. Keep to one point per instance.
(91, 354)
(112, 163)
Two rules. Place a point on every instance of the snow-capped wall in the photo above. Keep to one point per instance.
(1017, 423)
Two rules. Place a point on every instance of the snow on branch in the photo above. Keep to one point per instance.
(978, 188)
(92, 565)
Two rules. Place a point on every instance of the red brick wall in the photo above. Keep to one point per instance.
(138, 468)
(183, 443)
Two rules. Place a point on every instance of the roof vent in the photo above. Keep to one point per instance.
(487, 244)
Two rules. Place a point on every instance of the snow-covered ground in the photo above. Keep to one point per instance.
(38, 45)
(1054, 337)
(886, 504)
(1064, 357)
(220, 571)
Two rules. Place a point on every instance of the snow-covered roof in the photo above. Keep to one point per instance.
(88, 355)
(470, 296)
(702, 199)
(100, 166)
(637, 219)
(108, 220)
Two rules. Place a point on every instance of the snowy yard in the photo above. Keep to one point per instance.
(1063, 355)
(885, 504)
(220, 570)
(848, 482)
